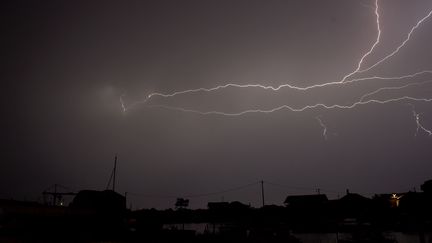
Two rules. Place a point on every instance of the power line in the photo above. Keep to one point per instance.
(150, 195)
(290, 187)
(302, 188)
(195, 195)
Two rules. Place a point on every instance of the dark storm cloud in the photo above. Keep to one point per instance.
(66, 64)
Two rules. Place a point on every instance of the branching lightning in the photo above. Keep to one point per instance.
(418, 123)
(277, 88)
(373, 46)
(393, 88)
(400, 46)
(287, 107)
(364, 99)
(344, 80)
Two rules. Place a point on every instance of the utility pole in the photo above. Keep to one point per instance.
(114, 173)
(125, 199)
(56, 195)
(262, 193)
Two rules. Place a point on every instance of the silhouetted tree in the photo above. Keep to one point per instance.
(427, 186)
(182, 203)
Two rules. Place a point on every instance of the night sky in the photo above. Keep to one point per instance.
(67, 67)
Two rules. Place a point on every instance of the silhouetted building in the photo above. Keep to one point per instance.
(102, 201)
(354, 199)
(305, 201)
(353, 205)
(217, 205)
(228, 212)
(223, 206)
(415, 201)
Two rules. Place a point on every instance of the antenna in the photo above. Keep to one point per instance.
(114, 172)
(262, 193)
(113, 175)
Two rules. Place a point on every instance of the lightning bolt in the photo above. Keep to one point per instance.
(287, 85)
(393, 88)
(287, 107)
(344, 81)
(419, 125)
(400, 46)
(323, 126)
(277, 88)
(373, 46)
(123, 105)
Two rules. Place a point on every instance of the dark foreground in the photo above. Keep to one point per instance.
(101, 216)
